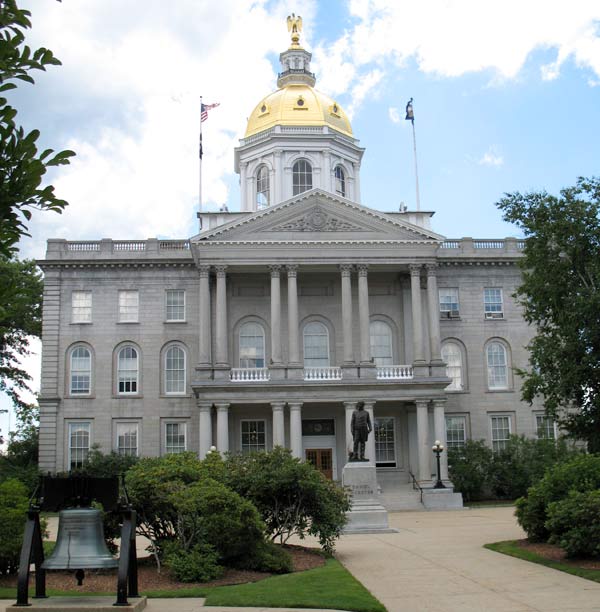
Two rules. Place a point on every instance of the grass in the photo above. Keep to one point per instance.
(330, 586)
(491, 503)
(512, 548)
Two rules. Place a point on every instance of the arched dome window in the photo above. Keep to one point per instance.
(340, 181)
(252, 346)
(381, 343)
(263, 191)
(316, 345)
(301, 177)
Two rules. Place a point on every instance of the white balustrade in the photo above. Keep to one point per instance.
(323, 373)
(394, 372)
(249, 374)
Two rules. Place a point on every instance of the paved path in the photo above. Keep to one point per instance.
(436, 563)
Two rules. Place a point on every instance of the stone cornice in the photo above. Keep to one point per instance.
(56, 264)
(219, 244)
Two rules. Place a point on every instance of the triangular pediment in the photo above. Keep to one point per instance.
(316, 215)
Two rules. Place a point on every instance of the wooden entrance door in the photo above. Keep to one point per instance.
(322, 459)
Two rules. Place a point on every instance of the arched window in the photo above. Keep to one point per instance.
(252, 346)
(263, 191)
(127, 371)
(381, 343)
(340, 181)
(316, 345)
(175, 370)
(497, 366)
(80, 368)
(301, 176)
(452, 355)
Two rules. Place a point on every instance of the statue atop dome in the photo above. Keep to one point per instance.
(294, 25)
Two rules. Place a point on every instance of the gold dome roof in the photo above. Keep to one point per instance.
(298, 104)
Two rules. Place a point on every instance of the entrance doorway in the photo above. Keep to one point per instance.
(322, 459)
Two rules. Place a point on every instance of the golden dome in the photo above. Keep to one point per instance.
(298, 104)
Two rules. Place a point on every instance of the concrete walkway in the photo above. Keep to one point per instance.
(436, 563)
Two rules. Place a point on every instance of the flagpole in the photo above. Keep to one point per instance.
(416, 169)
(200, 162)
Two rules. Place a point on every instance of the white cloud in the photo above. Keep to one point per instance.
(491, 158)
(394, 115)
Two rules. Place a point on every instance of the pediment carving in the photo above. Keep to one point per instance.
(316, 220)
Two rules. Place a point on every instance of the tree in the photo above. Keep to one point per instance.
(22, 168)
(560, 295)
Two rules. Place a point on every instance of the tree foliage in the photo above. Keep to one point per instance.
(22, 166)
(560, 295)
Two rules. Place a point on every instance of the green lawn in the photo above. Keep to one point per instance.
(330, 586)
(511, 547)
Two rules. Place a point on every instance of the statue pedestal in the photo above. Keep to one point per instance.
(366, 514)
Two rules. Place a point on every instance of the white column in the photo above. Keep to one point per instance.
(370, 448)
(205, 409)
(346, 271)
(363, 314)
(243, 197)
(356, 168)
(278, 428)
(349, 409)
(434, 313)
(296, 429)
(221, 323)
(424, 472)
(277, 193)
(327, 170)
(222, 427)
(275, 315)
(417, 320)
(293, 324)
(439, 423)
(205, 339)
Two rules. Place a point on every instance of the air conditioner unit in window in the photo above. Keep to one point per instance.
(494, 315)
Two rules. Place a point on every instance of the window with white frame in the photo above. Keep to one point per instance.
(252, 345)
(301, 177)
(81, 307)
(175, 304)
(263, 190)
(175, 441)
(316, 345)
(79, 443)
(545, 427)
(449, 305)
(253, 436)
(381, 343)
(452, 355)
(127, 439)
(385, 442)
(80, 371)
(340, 181)
(174, 370)
(497, 367)
(492, 303)
(501, 430)
(129, 303)
(127, 371)
(456, 431)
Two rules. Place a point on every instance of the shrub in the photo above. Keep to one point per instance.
(574, 523)
(469, 469)
(13, 508)
(579, 474)
(292, 497)
(269, 557)
(199, 564)
(104, 466)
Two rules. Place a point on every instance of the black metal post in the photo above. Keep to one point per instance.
(127, 582)
(31, 550)
(438, 450)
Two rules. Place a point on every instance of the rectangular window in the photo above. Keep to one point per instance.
(500, 432)
(175, 438)
(81, 307)
(175, 305)
(545, 427)
(127, 439)
(385, 442)
(253, 436)
(456, 431)
(492, 303)
(79, 443)
(449, 307)
(129, 302)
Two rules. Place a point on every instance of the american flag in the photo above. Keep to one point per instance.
(204, 108)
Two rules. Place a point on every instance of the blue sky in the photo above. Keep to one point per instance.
(506, 97)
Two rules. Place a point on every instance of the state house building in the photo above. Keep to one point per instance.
(269, 325)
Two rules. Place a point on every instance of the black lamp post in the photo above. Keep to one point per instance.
(438, 449)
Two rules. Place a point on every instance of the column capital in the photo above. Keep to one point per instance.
(277, 406)
(224, 407)
(421, 403)
(275, 270)
(439, 402)
(350, 405)
(415, 269)
(292, 270)
(203, 271)
(346, 269)
(369, 404)
(431, 268)
(203, 405)
(221, 270)
(295, 405)
(363, 269)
